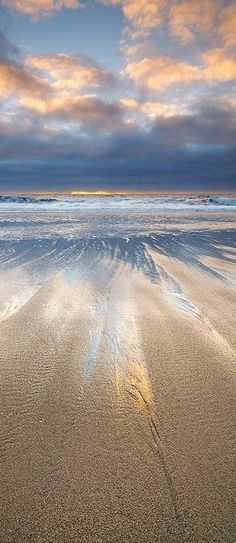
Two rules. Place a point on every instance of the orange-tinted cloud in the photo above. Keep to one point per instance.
(191, 16)
(219, 65)
(227, 28)
(15, 79)
(157, 73)
(88, 112)
(148, 110)
(144, 14)
(41, 8)
(210, 18)
(69, 71)
(136, 50)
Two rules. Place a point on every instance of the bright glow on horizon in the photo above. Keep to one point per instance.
(90, 193)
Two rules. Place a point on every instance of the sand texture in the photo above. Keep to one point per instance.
(118, 383)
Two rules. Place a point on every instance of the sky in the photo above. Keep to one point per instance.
(117, 95)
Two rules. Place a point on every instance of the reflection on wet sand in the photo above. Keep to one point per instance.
(118, 379)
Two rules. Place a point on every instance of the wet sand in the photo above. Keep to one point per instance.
(118, 388)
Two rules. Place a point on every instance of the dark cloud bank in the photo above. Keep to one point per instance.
(195, 152)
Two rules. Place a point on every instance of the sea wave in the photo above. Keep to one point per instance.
(15, 199)
(222, 201)
(115, 202)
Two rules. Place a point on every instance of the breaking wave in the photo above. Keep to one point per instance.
(14, 199)
(222, 201)
(115, 202)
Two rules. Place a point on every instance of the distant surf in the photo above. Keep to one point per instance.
(121, 202)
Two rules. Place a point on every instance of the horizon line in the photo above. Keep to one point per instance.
(103, 193)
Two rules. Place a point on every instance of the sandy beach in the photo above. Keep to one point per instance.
(118, 380)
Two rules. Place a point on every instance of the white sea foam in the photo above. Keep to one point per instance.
(139, 203)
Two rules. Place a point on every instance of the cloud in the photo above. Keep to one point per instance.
(48, 88)
(53, 92)
(108, 165)
(182, 151)
(16, 80)
(191, 16)
(227, 28)
(41, 8)
(70, 71)
(147, 111)
(212, 17)
(88, 112)
(158, 72)
(142, 14)
(208, 125)
(219, 65)
(7, 49)
(137, 50)
(186, 19)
